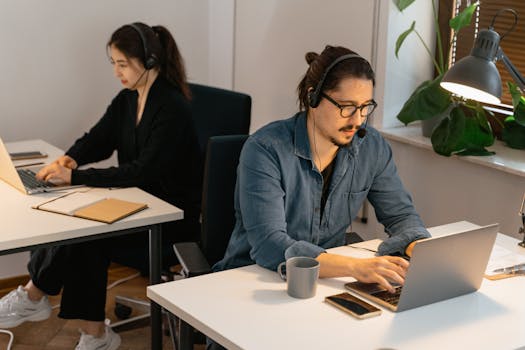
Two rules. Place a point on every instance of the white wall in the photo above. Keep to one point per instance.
(57, 80)
(272, 37)
(451, 189)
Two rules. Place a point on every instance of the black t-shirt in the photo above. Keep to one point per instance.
(327, 177)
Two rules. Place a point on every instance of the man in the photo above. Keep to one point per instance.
(301, 181)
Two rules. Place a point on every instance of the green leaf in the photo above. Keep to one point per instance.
(427, 101)
(463, 18)
(513, 134)
(465, 132)
(519, 112)
(518, 102)
(403, 36)
(446, 137)
(403, 4)
(478, 133)
(515, 93)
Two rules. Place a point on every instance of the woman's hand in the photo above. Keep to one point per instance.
(67, 162)
(55, 173)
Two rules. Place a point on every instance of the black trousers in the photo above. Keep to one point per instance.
(81, 270)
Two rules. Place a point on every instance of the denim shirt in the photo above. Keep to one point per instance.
(278, 197)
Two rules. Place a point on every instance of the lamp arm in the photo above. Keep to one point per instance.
(515, 74)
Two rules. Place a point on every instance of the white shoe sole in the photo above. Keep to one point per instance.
(115, 343)
(39, 316)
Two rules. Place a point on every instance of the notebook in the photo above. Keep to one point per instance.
(91, 206)
(23, 179)
(440, 268)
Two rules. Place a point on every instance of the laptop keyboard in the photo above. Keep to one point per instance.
(30, 181)
(391, 298)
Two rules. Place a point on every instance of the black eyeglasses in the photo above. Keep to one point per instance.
(349, 110)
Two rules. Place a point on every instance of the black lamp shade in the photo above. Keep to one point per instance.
(476, 76)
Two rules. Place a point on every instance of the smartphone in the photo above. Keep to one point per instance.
(27, 155)
(353, 305)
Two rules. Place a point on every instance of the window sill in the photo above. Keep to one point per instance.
(506, 159)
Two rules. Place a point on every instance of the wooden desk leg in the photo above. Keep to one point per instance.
(155, 234)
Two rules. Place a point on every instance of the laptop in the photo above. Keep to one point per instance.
(23, 179)
(440, 268)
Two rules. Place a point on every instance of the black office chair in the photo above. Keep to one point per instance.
(219, 112)
(215, 112)
(218, 218)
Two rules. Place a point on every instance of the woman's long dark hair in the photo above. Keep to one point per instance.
(161, 44)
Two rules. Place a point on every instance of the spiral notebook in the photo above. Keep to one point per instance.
(91, 206)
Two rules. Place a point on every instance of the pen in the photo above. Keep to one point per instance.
(510, 268)
(28, 164)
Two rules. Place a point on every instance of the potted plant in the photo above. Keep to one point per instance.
(462, 126)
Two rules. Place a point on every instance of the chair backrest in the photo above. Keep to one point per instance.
(220, 176)
(219, 112)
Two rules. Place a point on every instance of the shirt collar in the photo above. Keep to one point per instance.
(301, 141)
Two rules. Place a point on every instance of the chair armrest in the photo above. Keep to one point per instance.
(191, 259)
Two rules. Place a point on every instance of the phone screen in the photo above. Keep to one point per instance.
(27, 155)
(353, 305)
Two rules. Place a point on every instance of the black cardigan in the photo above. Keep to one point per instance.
(159, 155)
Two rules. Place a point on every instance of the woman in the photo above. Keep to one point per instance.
(149, 125)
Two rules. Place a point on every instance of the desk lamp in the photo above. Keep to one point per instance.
(475, 76)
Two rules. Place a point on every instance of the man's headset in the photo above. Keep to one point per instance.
(150, 60)
(314, 97)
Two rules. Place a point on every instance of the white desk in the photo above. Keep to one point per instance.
(248, 308)
(24, 228)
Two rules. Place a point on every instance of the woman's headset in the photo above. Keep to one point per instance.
(150, 60)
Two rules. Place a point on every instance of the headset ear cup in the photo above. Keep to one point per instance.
(150, 62)
(313, 99)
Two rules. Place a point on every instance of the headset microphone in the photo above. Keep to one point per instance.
(362, 131)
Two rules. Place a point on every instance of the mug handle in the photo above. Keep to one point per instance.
(280, 270)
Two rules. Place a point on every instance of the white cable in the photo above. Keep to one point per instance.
(122, 280)
(11, 338)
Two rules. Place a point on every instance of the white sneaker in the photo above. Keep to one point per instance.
(16, 308)
(110, 341)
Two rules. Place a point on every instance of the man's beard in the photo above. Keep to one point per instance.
(345, 128)
(339, 144)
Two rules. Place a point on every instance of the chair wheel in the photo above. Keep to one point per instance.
(122, 311)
